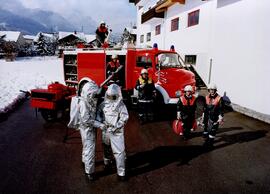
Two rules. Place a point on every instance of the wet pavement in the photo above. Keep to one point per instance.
(34, 158)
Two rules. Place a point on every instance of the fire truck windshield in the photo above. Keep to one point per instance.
(169, 60)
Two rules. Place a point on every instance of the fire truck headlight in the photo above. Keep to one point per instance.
(178, 93)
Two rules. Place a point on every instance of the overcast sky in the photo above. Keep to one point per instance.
(116, 13)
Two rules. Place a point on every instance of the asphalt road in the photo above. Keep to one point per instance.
(34, 158)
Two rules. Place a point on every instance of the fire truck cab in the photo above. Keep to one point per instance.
(166, 68)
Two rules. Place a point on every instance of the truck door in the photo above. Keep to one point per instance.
(92, 65)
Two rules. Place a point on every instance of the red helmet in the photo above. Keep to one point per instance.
(178, 127)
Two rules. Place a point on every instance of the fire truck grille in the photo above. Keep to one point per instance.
(47, 96)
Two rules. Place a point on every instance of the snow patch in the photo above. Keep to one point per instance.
(26, 74)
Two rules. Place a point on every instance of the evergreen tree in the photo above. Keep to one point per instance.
(42, 45)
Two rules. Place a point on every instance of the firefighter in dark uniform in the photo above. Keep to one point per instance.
(186, 108)
(147, 92)
(101, 33)
(213, 115)
(111, 68)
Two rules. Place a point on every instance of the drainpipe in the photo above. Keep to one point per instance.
(164, 29)
(210, 71)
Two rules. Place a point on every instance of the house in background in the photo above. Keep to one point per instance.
(70, 39)
(29, 39)
(13, 36)
(225, 40)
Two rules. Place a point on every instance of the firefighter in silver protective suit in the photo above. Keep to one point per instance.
(113, 113)
(88, 125)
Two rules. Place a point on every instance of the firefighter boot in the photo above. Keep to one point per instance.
(150, 116)
(90, 177)
(186, 134)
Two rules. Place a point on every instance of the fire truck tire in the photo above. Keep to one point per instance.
(48, 115)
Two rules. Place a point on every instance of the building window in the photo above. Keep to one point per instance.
(190, 59)
(148, 36)
(193, 18)
(175, 24)
(142, 38)
(144, 61)
(158, 27)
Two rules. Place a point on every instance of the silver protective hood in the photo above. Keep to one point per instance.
(89, 90)
(113, 90)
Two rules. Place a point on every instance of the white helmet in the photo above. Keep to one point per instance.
(143, 71)
(188, 88)
(114, 56)
(212, 86)
(102, 22)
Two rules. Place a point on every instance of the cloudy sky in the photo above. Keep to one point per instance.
(116, 13)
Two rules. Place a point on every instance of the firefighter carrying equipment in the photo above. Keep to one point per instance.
(213, 114)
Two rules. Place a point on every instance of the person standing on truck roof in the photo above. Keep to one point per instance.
(87, 126)
(186, 108)
(147, 92)
(111, 68)
(213, 115)
(113, 113)
(101, 33)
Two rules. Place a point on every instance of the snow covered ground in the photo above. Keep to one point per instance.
(26, 74)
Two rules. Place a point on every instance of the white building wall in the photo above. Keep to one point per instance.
(193, 40)
(240, 50)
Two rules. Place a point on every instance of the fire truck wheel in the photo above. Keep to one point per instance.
(48, 115)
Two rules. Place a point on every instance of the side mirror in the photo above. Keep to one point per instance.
(157, 66)
(178, 94)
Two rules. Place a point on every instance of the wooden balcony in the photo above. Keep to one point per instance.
(151, 13)
(164, 4)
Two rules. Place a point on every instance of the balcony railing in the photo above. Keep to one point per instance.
(162, 5)
(151, 14)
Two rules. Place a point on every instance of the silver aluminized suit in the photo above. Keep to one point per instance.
(114, 115)
(88, 107)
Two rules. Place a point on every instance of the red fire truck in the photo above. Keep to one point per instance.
(166, 68)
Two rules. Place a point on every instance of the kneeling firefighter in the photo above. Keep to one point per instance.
(113, 113)
(186, 108)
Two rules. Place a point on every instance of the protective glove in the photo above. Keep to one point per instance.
(220, 119)
(154, 94)
(103, 127)
(178, 115)
(119, 124)
(142, 85)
